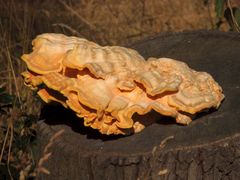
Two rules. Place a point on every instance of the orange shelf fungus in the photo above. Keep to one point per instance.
(107, 85)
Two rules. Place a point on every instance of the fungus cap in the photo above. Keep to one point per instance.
(107, 85)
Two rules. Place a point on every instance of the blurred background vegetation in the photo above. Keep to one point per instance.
(109, 22)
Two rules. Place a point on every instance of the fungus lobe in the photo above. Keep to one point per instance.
(107, 85)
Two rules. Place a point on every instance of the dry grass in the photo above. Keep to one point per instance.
(26, 173)
(104, 21)
(124, 22)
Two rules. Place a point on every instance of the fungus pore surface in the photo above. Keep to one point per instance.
(106, 85)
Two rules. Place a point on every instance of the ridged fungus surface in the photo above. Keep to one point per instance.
(106, 85)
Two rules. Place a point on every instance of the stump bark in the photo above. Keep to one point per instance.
(209, 148)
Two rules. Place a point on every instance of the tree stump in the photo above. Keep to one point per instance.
(209, 148)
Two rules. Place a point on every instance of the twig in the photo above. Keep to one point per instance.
(69, 28)
(3, 84)
(91, 26)
(10, 147)
(3, 72)
(155, 148)
(210, 16)
(46, 154)
(52, 139)
(162, 144)
(164, 141)
(4, 144)
(232, 16)
(163, 172)
(14, 76)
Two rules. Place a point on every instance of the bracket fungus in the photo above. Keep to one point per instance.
(106, 85)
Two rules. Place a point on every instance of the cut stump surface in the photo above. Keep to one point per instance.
(209, 148)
